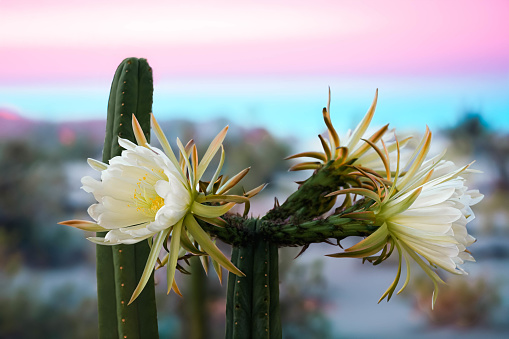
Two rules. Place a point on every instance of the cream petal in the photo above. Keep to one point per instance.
(437, 257)
(432, 197)
(443, 228)
(444, 246)
(430, 240)
(470, 240)
(466, 256)
(142, 175)
(97, 165)
(459, 227)
(95, 211)
(163, 188)
(169, 216)
(90, 185)
(124, 143)
(118, 237)
(117, 205)
(422, 220)
(158, 225)
(121, 161)
(431, 215)
(458, 261)
(114, 240)
(443, 168)
(109, 219)
(475, 197)
(140, 157)
(119, 188)
(173, 192)
(137, 231)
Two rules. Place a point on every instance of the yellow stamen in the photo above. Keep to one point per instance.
(147, 204)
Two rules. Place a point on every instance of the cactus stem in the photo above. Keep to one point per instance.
(120, 267)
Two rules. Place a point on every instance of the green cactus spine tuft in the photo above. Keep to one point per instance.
(119, 267)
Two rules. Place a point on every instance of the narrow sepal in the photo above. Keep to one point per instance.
(218, 270)
(306, 166)
(255, 191)
(151, 261)
(138, 133)
(174, 254)
(233, 181)
(361, 191)
(217, 221)
(208, 246)
(211, 151)
(163, 141)
(211, 211)
(316, 155)
(84, 225)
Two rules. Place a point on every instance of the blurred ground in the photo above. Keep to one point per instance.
(47, 274)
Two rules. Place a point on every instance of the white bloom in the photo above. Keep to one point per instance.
(140, 194)
(146, 193)
(423, 214)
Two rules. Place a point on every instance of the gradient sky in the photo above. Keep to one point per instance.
(261, 62)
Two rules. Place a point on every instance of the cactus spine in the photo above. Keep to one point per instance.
(119, 267)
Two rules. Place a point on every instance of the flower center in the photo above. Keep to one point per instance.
(147, 203)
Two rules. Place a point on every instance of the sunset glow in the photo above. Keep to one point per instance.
(253, 37)
(257, 57)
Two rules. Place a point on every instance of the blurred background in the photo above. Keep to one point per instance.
(263, 67)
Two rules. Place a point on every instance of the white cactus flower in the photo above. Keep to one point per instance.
(140, 193)
(423, 214)
(146, 193)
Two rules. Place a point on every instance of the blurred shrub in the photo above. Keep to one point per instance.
(259, 150)
(461, 303)
(303, 300)
(64, 314)
(33, 199)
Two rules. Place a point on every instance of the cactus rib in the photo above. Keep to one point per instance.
(252, 309)
(120, 267)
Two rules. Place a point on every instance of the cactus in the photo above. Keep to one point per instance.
(380, 197)
(252, 309)
(197, 307)
(119, 267)
(253, 300)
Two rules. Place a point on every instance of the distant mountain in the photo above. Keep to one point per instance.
(15, 126)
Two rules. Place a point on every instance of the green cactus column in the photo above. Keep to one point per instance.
(196, 301)
(252, 305)
(119, 268)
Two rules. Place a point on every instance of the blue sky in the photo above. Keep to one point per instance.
(285, 105)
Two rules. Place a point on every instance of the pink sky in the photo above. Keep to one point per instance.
(87, 39)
